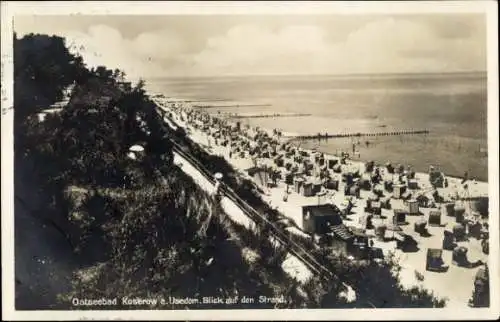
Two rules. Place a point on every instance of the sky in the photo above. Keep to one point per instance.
(230, 45)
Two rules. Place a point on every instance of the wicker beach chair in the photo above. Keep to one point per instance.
(434, 260)
(448, 240)
(459, 256)
(459, 232)
(485, 246)
(420, 227)
(435, 218)
(380, 232)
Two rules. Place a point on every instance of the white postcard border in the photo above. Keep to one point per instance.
(10, 9)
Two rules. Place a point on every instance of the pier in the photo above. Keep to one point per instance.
(206, 100)
(358, 134)
(267, 115)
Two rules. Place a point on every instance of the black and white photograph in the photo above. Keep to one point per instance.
(182, 159)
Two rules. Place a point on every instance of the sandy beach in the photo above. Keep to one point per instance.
(443, 284)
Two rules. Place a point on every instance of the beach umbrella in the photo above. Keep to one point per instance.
(136, 148)
(320, 194)
(218, 176)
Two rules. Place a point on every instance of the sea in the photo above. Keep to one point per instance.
(452, 107)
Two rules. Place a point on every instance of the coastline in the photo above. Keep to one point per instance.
(353, 105)
(287, 137)
(410, 263)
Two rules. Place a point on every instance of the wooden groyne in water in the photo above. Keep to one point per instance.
(267, 115)
(207, 100)
(189, 100)
(234, 105)
(358, 134)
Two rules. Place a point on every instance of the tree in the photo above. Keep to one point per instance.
(43, 67)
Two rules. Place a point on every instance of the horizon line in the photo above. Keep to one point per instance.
(333, 75)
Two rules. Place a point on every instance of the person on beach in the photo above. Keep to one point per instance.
(465, 177)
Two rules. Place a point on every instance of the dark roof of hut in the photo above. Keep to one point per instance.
(322, 210)
(342, 232)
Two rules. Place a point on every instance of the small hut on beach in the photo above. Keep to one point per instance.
(378, 190)
(412, 184)
(412, 206)
(388, 185)
(385, 203)
(448, 240)
(459, 212)
(435, 218)
(352, 190)
(399, 217)
(331, 163)
(307, 189)
(332, 184)
(298, 182)
(459, 232)
(317, 219)
(434, 260)
(365, 184)
(398, 190)
(380, 230)
(369, 166)
(423, 200)
(459, 256)
(420, 226)
(449, 209)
